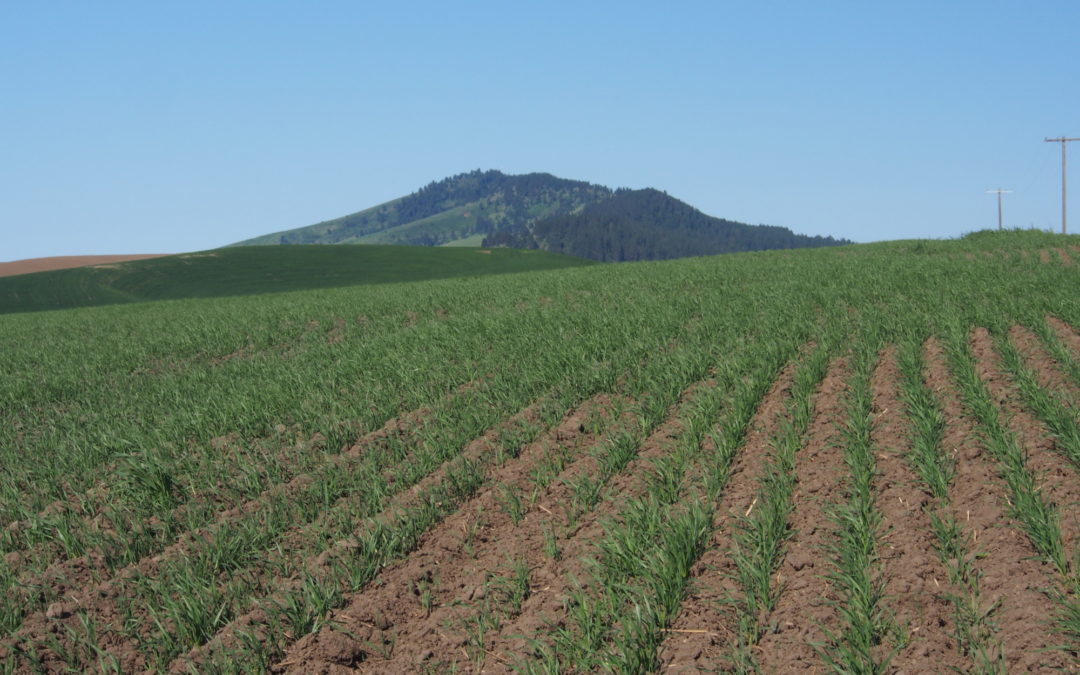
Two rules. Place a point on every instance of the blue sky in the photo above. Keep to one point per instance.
(132, 127)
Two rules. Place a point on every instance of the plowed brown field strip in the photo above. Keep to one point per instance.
(701, 635)
(558, 578)
(915, 579)
(463, 575)
(1011, 579)
(63, 262)
(803, 608)
(1047, 370)
(396, 593)
(1055, 477)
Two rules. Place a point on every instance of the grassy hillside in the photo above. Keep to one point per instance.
(859, 459)
(261, 269)
(455, 208)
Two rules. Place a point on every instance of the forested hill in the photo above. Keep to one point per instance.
(649, 225)
(541, 211)
(461, 209)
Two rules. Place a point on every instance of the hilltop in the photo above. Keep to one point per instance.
(541, 211)
(459, 210)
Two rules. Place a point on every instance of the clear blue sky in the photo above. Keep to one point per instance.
(130, 127)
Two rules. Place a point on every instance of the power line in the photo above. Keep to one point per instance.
(999, 192)
(1064, 141)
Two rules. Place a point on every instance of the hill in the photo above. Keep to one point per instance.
(539, 469)
(541, 211)
(449, 211)
(649, 225)
(259, 269)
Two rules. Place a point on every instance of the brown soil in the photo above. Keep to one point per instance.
(468, 524)
(461, 562)
(1025, 254)
(30, 265)
(1047, 369)
(1055, 478)
(700, 636)
(915, 579)
(560, 578)
(805, 605)
(1063, 255)
(1009, 572)
(1044, 256)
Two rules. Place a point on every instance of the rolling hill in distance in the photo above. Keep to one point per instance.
(260, 269)
(541, 211)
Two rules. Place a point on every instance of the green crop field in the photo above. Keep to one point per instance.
(857, 459)
(260, 269)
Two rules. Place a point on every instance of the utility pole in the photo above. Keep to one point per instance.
(999, 192)
(1063, 142)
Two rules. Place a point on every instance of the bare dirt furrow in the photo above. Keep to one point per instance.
(464, 564)
(915, 579)
(1068, 335)
(1054, 476)
(1046, 368)
(807, 601)
(1044, 256)
(701, 633)
(1063, 256)
(1011, 579)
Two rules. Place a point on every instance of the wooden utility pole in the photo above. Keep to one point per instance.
(999, 192)
(1063, 142)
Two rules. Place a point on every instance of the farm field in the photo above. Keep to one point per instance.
(856, 459)
(258, 270)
